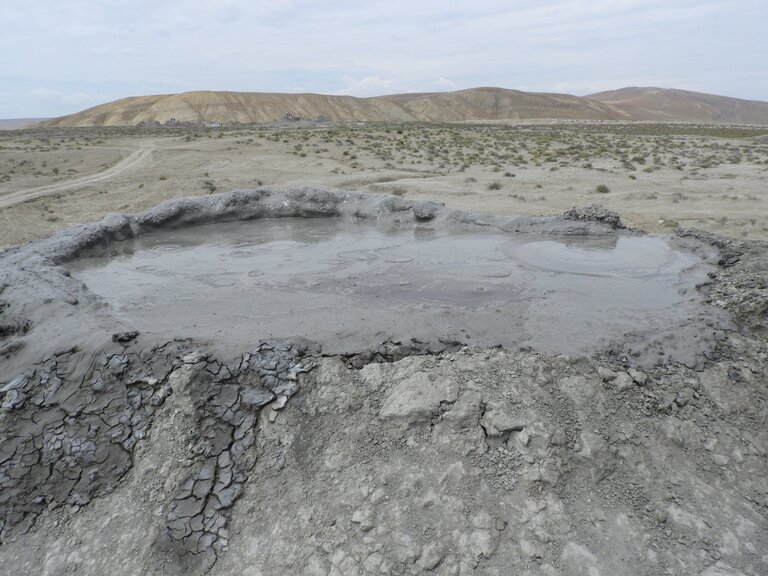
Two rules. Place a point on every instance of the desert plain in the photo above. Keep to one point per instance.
(659, 176)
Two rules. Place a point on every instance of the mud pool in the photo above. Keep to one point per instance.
(349, 285)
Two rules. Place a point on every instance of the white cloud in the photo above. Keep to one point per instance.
(112, 48)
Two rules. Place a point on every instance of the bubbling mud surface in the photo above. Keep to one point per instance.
(348, 285)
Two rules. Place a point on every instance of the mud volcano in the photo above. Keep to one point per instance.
(348, 285)
(306, 382)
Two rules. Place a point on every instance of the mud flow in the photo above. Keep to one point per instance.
(350, 285)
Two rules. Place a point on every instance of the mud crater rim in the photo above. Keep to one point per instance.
(59, 311)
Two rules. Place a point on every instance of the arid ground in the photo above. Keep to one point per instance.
(135, 451)
(658, 176)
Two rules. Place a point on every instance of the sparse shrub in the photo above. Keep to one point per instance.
(602, 189)
(210, 186)
(495, 185)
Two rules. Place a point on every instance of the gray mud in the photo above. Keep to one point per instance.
(349, 285)
(134, 445)
(47, 310)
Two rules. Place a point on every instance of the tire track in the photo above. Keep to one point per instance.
(133, 160)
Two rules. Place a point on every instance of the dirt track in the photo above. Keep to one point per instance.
(132, 161)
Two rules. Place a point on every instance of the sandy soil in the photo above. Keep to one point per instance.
(658, 177)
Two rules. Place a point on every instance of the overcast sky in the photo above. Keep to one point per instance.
(61, 56)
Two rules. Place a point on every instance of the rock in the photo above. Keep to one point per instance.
(606, 374)
(465, 412)
(125, 336)
(426, 210)
(373, 562)
(623, 381)
(595, 212)
(406, 549)
(665, 401)
(432, 554)
(496, 421)
(194, 358)
(580, 561)
(530, 549)
(684, 397)
(364, 517)
(637, 376)
(279, 403)
(482, 543)
(418, 398)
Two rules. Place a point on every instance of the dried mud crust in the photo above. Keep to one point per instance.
(66, 442)
(125, 456)
(740, 285)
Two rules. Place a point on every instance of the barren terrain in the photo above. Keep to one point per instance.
(140, 453)
(657, 176)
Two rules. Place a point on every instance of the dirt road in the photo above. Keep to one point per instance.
(134, 159)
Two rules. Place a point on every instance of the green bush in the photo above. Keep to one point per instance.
(602, 189)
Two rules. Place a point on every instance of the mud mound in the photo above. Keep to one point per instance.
(128, 452)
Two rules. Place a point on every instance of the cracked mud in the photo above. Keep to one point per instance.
(127, 448)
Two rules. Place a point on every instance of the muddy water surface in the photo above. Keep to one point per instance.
(349, 286)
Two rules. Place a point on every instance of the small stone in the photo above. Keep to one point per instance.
(432, 554)
(623, 381)
(665, 402)
(720, 459)
(637, 376)
(363, 517)
(426, 210)
(194, 358)
(497, 421)
(125, 336)
(606, 374)
(279, 402)
(684, 397)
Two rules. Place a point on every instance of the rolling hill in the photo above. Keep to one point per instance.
(476, 104)
(683, 106)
